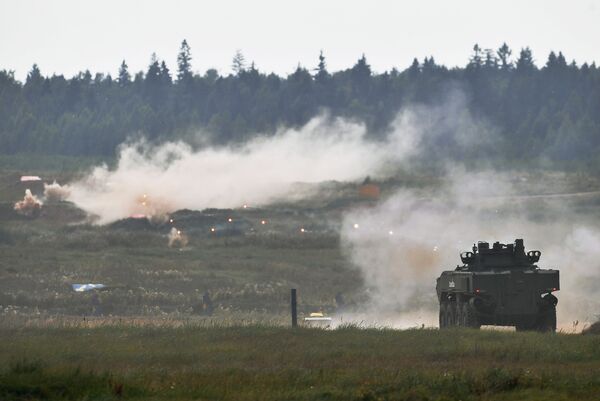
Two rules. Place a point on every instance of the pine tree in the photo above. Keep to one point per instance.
(414, 68)
(153, 75)
(98, 78)
(322, 75)
(165, 74)
(491, 62)
(184, 60)
(34, 77)
(154, 83)
(251, 76)
(238, 64)
(561, 62)
(86, 77)
(428, 65)
(504, 54)
(124, 76)
(551, 62)
(361, 70)
(476, 60)
(525, 62)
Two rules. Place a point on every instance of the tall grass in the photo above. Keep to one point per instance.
(249, 362)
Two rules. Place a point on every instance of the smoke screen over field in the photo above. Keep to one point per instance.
(155, 180)
(158, 180)
(401, 245)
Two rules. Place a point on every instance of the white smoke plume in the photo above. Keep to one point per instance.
(402, 245)
(154, 181)
(177, 238)
(55, 192)
(158, 180)
(29, 206)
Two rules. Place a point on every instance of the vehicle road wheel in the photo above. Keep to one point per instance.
(523, 326)
(458, 315)
(449, 315)
(442, 318)
(470, 316)
(547, 321)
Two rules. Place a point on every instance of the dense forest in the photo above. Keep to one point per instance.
(552, 111)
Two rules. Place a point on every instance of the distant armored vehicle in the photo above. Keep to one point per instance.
(501, 286)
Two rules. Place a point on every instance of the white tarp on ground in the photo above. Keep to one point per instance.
(28, 178)
(86, 287)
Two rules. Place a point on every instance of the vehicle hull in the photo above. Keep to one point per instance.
(521, 298)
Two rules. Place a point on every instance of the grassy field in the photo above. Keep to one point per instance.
(247, 272)
(191, 362)
(148, 334)
(251, 273)
(243, 274)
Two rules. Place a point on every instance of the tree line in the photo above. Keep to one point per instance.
(552, 111)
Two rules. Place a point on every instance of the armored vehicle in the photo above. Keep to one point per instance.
(501, 286)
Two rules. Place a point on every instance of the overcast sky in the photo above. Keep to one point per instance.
(67, 36)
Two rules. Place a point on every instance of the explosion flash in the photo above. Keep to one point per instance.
(30, 206)
(154, 209)
(177, 238)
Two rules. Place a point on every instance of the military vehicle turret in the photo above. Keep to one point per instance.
(499, 285)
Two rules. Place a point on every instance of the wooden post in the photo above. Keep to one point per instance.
(294, 309)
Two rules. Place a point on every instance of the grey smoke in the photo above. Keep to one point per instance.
(403, 244)
(55, 192)
(155, 180)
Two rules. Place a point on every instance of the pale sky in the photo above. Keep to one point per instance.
(67, 36)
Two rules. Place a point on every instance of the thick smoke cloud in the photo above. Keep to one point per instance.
(55, 192)
(157, 180)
